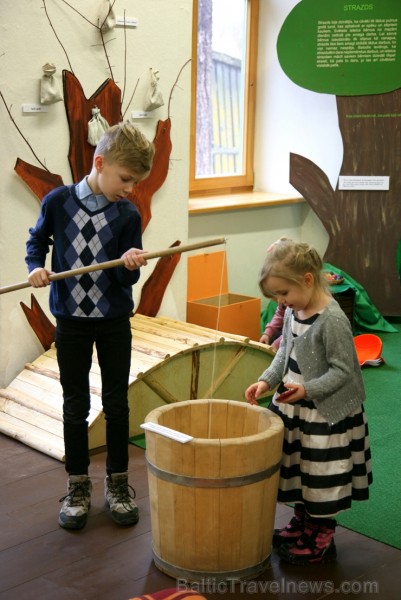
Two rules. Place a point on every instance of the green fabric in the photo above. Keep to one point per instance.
(366, 316)
(138, 440)
(267, 314)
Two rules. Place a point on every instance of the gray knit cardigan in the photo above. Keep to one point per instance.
(327, 359)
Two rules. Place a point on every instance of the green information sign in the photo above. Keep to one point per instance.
(340, 48)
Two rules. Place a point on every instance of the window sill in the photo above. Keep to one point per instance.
(223, 202)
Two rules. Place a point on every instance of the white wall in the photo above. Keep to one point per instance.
(163, 41)
(288, 119)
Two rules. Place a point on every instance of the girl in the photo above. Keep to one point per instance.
(326, 454)
(273, 330)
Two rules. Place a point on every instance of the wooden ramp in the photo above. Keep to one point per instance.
(171, 361)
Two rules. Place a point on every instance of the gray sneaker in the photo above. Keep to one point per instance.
(77, 502)
(123, 509)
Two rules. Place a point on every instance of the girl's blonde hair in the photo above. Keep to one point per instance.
(291, 260)
(125, 145)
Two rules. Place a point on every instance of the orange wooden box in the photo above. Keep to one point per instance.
(210, 304)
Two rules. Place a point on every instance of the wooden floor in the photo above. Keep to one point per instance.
(41, 561)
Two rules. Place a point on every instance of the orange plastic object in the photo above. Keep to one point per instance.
(210, 304)
(368, 347)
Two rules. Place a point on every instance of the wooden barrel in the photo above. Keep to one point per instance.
(213, 498)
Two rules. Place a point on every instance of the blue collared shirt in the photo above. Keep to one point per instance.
(90, 200)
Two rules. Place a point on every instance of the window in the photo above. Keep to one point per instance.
(223, 96)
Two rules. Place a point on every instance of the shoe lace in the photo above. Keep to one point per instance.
(76, 494)
(122, 493)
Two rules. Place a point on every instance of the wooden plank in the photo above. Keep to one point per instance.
(47, 360)
(36, 393)
(219, 380)
(158, 343)
(164, 330)
(151, 348)
(32, 416)
(37, 438)
(40, 381)
(27, 400)
(159, 389)
(43, 369)
(203, 332)
(140, 363)
(50, 398)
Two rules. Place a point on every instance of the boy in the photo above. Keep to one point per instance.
(89, 223)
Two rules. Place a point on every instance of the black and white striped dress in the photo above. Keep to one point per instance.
(324, 466)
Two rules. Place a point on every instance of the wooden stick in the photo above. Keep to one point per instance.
(115, 263)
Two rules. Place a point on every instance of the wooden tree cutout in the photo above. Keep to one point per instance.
(143, 192)
(39, 181)
(364, 227)
(80, 156)
(39, 322)
(151, 299)
(79, 111)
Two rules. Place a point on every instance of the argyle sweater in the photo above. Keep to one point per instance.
(80, 237)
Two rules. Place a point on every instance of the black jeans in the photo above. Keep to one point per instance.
(74, 344)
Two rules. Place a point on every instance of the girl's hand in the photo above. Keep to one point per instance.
(264, 339)
(255, 391)
(299, 392)
(39, 277)
(133, 259)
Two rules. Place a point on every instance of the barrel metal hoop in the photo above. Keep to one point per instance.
(212, 482)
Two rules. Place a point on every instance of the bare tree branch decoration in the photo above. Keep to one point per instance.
(125, 63)
(111, 5)
(80, 14)
(100, 30)
(21, 134)
(103, 43)
(132, 97)
(105, 53)
(175, 83)
(57, 38)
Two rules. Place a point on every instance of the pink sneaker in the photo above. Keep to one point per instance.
(288, 534)
(315, 545)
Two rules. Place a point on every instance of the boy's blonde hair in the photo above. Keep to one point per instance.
(291, 260)
(125, 145)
